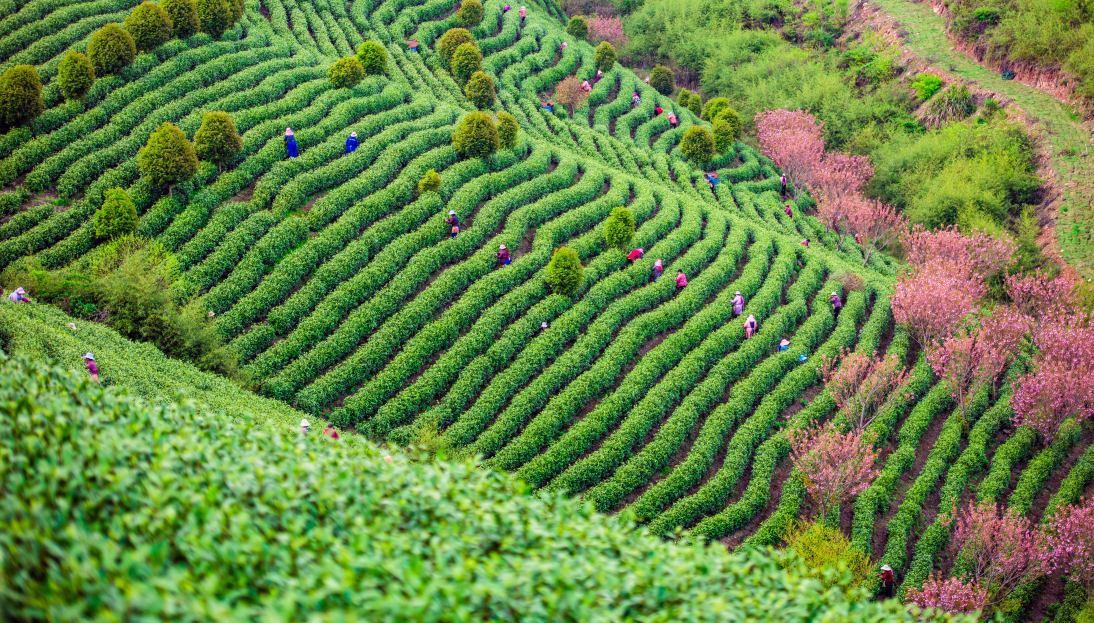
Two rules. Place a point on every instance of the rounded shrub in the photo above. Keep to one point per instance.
(346, 73)
(75, 75)
(449, 41)
(697, 145)
(470, 13)
(217, 139)
(662, 80)
(429, 183)
(723, 136)
(683, 97)
(695, 104)
(619, 228)
(466, 60)
(184, 17)
(507, 130)
(476, 136)
(168, 158)
(728, 117)
(578, 28)
(117, 217)
(480, 90)
(149, 25)
(215, 16)
(564, 271)
(237, 9)
(111, 49)
(605, 57)
(373, 57)
(713, 108)
(20, 96)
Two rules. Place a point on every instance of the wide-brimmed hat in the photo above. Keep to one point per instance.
(89, 356)
(304, 423)
(20, 290)
(501, 246)
(451, 213)
(353, 134)
(784, 343)
(886, 568)
(288, 131)
(543, 324)
(738, 291)
(833, 294)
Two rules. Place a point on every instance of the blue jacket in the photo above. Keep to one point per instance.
(351, 144)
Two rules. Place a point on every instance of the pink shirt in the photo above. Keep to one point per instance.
(523, 12)
(681, 280)
(91, 367)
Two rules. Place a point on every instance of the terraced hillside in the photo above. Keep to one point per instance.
(344, 296)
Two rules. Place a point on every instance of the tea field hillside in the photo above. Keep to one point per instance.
(343, 295)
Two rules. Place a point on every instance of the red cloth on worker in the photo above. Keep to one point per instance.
(330, 432)
(635, 255)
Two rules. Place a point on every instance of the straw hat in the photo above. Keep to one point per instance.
(353, 134)
(833, 294)
(543, 325)
(304, 423)
(738, 291)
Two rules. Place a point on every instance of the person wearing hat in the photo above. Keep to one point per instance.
(454, 221)
(503, 255)
(886, 576)
(304, 426)
(523, 14)
(750, 326)
(351, 143)
(543, 326)
(782, 178)
(18, 295)
(802, 358)
(672, 119)
(788, 211)
(836, 302)
(330, 432)
(290, 142)
(585, 86)
(784, 345)
(738, 304)
(635, 100)
(657, 268)
(89, 359)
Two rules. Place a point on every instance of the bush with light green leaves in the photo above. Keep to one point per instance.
(373, 58)
(605, 56)
(20, 96)
(470, 13)
(450, 41)
(480, 90)
(662, 80)
(619, 228)
(346, 73)
(184, 17)
(118, 215)
(111, 49)
(215, 16)
(168, 158)
(476, 136)
(697, 145)
(149, 25)
(578, 28)
(466, 61)
(564, 272)
(507, 130)
(217, 139)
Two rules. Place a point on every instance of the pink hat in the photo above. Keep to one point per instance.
(501, 246)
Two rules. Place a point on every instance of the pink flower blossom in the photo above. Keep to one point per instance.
(948, 595)
(836, 466)
(1070, 542)
(1000, 547)
(794, 139)
(935, 300)
(608, 29)
(862, 385)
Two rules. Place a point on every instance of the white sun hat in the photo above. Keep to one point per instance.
(89, 356)
(304, 422)
(451, 212)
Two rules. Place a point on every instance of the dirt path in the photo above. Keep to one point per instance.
(1068, 165)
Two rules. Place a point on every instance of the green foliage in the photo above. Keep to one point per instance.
(695, 104)
(117, 217)
(662, 80)
(429, 183)
(215, 16)
(507, 130)
(953, 104)
(829, 557)
(75, 75)
(578, 28)
(724, 135)
(713, 108)
(476, 136)
(683, 98)
(605, 56)
(373, 58)
(619, 228)
(168, 158)
(20, 96)
(697, 145)
(466, 60)
(730, 117)
(111, 49)
(926, 85)
(470, 13)
(184, 17)
(480, 90)
(450, 41)
(237, 9)
(217, 139)
(564, 271)
(149, 25)
(346, 73)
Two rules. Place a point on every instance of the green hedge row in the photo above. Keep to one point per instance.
(1041, 467)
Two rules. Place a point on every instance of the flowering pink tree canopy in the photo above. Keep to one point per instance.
(795, 140)
(934, 301)
(950, 595)
(979, 253)
(836, 466)
(1038, 296)
(608, 29)
(841, 176)
(832, 213)
(1062, 385)
(1001, 548)
(1070, 542)
(569, 92)
(862, 385)
(878, 224)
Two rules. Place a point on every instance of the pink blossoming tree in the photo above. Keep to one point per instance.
(836, 466)
(608, 29)
(979, 253)
(841, 176)
(934, 301)
(1038, 296)
(1062, 384)
(1070, 542)
(862, 385)
(950, 595)
(795, 140)
(876, 223)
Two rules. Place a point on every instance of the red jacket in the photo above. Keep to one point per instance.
(636, 254)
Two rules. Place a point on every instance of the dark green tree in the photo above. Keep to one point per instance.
(466, 60)
(480, 90)
(168, 158)
(237, 9)
(697, 145)
(470, 13)
(217, 139)
(373, 58)
(476, 136)
(20, 96)
(578, 28)
(713, 108)
(117, 217)
(662, 80)
(75, 75)
(149, 25)
(346, 73)
(507, 130)
(449, 41)
(111, 49)
(564, 271)
(605, 56)
(619, 228)
(184, 17)
(215, 16)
